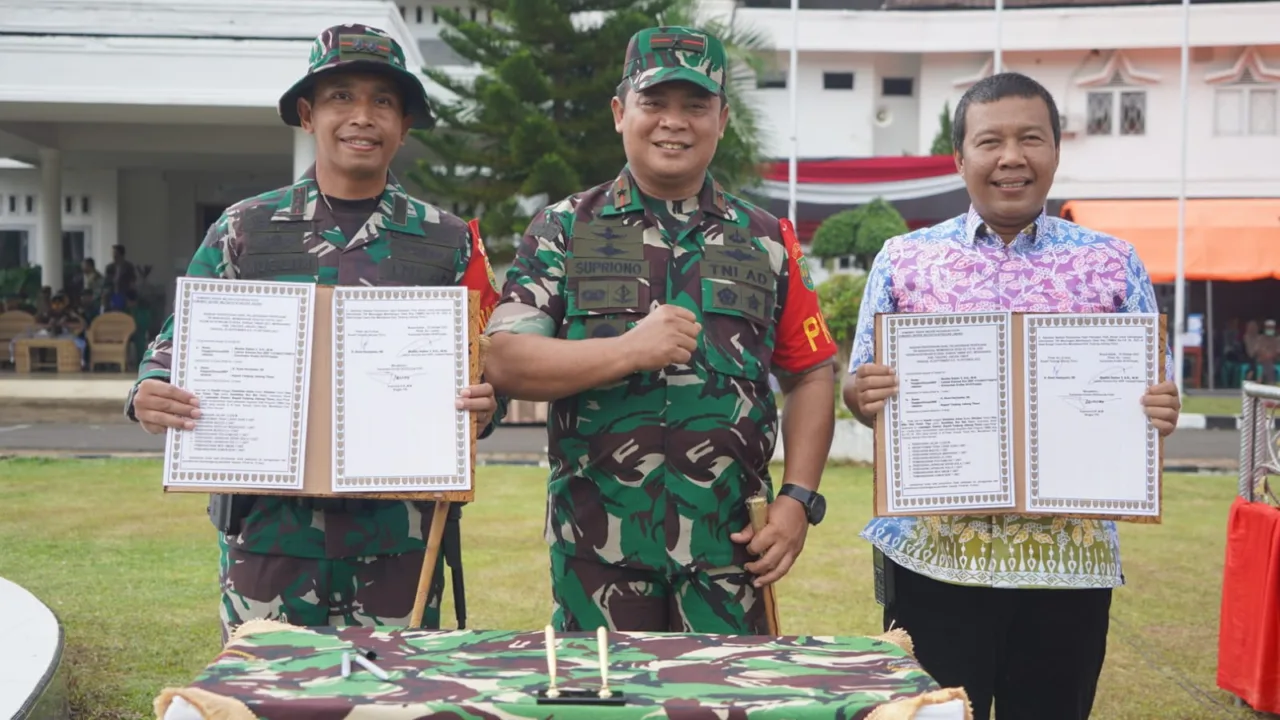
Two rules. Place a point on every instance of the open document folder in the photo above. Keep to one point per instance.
(1034, 414)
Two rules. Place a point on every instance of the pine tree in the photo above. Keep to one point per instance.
(942, 141)
(536, 121)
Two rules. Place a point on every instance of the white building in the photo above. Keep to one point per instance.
(142, 119)
(138, 121)
(873, 83)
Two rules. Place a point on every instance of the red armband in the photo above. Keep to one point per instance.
(803, 339)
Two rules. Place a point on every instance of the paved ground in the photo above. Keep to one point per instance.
(1211, 448)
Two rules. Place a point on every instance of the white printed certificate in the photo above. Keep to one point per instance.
(400, 361)
(1090, 448)
(243, 348)
(949, 428)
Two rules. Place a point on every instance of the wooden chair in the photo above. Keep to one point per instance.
(12, 324)
(108, 339)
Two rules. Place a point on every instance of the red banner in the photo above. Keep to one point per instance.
(862, 170)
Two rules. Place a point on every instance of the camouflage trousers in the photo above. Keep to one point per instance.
(587, 594)
(311, 592)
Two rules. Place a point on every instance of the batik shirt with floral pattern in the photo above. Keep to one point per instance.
(961, 266)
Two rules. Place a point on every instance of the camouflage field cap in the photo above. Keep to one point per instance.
(662, 54)
(343, 48)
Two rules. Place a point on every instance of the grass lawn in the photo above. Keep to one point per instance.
(132, 574)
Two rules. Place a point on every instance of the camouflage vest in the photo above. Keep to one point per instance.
(613, 279)
(281, 245)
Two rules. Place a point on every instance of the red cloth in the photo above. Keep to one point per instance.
(1249, 627)
(850, 171)
(479, 275)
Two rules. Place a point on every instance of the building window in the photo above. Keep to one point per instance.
(1117, 112)
(31, 204)
(13, 203)
(13, 248)
(1133, 112)
(417, 14)
(775, 80)
(84, 205)
(902, 87)
(1245, 111)
(837, 81)
(69, 205)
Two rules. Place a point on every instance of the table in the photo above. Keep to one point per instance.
(68, 352)
(281, 672)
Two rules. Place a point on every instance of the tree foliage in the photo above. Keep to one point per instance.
(840, 297)
(836, 235)
(942, 141)
(859, 232)
(535, 125)
(879, 222)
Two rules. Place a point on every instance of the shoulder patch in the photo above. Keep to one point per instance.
(792, 244)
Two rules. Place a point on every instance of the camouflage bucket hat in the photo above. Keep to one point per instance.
(663, 54)
(361, 48)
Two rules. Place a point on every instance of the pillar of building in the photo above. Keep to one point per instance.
(48, 240)
(304, 152)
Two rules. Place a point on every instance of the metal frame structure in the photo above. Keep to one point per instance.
(1259, 441)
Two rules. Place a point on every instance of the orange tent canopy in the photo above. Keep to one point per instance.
(1226, 239)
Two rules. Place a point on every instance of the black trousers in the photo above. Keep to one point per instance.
(1037, 653)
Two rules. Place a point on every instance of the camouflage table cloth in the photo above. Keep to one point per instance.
(280, 672)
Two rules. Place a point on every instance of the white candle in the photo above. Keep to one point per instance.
(602, 640)
(551, 662)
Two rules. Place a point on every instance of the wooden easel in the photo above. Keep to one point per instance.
(479, 349)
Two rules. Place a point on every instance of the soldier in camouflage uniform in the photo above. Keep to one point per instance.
(650, 311)
(346, 221)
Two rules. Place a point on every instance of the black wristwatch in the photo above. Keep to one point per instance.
(815, 506)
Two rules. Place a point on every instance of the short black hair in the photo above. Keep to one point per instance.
(998, 87)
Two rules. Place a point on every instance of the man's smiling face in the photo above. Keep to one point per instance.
(359, 122)
(670, 131)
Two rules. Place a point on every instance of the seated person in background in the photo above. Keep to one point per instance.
(63, 317)
(58, 320)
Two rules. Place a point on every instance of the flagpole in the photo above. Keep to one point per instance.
(792, 82)
(1180, 282)
(997, 63)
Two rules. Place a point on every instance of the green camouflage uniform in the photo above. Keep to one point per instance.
(315, 561)
(649, 476)
(288, 673)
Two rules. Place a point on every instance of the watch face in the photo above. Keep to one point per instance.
(819, 509)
